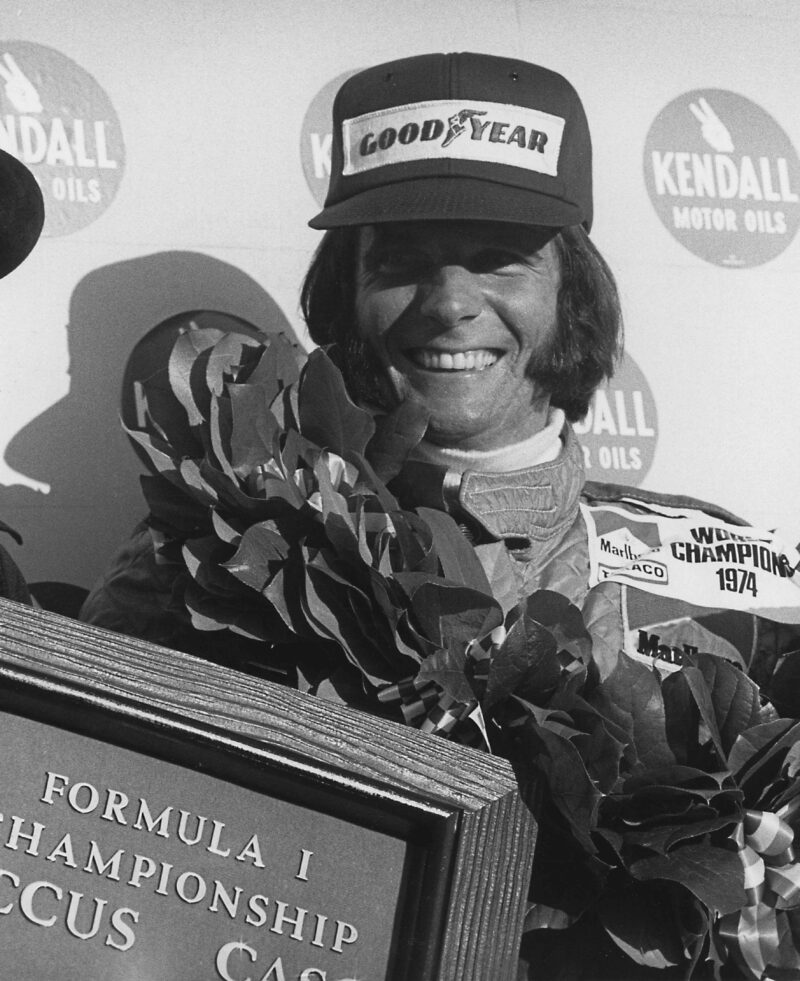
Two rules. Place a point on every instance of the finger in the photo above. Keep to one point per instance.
(698, 115)
(710, 114)
(14, 68)
(396, 434)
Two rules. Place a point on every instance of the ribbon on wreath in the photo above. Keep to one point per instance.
(430, 709)
(425, 706)
(759, 935)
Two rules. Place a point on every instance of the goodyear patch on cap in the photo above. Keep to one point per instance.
(491, 132)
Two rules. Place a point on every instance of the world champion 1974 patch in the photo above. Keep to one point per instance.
(695, 558)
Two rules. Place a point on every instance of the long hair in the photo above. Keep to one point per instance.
(585, 347)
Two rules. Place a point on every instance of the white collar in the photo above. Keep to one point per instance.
(542, 447)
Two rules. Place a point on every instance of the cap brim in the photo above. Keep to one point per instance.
(21, 212)
(449, 198)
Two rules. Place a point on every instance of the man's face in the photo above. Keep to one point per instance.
(453, 312)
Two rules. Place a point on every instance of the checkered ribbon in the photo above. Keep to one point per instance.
(759, 936)
(428, 708)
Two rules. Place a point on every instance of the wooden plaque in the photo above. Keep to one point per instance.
(165, 817)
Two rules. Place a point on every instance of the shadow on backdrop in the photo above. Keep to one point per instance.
(77, 445)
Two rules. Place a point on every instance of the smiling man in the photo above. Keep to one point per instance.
(457, 279)
(456, 275)
(457, 271)
(456, 285)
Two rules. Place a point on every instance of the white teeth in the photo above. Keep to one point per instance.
(445, 361)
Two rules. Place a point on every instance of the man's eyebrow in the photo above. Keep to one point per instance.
(382, 239)
(531, 239)
(382, 235)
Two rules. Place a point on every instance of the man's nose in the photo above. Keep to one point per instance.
(451, 295)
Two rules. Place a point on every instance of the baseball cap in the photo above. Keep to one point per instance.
(21, 212)
(458, 136)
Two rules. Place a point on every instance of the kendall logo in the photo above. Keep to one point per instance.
(723, 177)
(316, 139)
(619, 433)
(56, 119)
(484, 131)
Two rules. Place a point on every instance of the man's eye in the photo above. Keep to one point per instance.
(493, 260)
(395, 262)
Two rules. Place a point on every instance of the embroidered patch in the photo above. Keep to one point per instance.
(491, 132)
(665, 645)
(697, 559)
(621, 549)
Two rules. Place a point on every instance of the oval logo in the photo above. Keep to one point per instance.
(315, 137)
(620, 430)
(58, 121)
(723, 177)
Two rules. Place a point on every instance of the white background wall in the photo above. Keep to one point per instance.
(212, 202)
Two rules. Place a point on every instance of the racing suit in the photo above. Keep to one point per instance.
(656, 576)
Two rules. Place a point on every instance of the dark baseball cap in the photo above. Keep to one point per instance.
(21, 212)
(459, 136)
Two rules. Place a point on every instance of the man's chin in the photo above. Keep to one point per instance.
(460, 417)
(459, 432)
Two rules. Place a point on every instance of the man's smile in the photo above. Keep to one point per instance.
(434, 359)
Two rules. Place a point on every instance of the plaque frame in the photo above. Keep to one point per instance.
(466, 895)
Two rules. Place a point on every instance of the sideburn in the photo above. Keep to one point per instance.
(363, 372)
(553, 367)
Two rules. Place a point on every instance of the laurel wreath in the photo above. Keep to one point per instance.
(271, 497)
